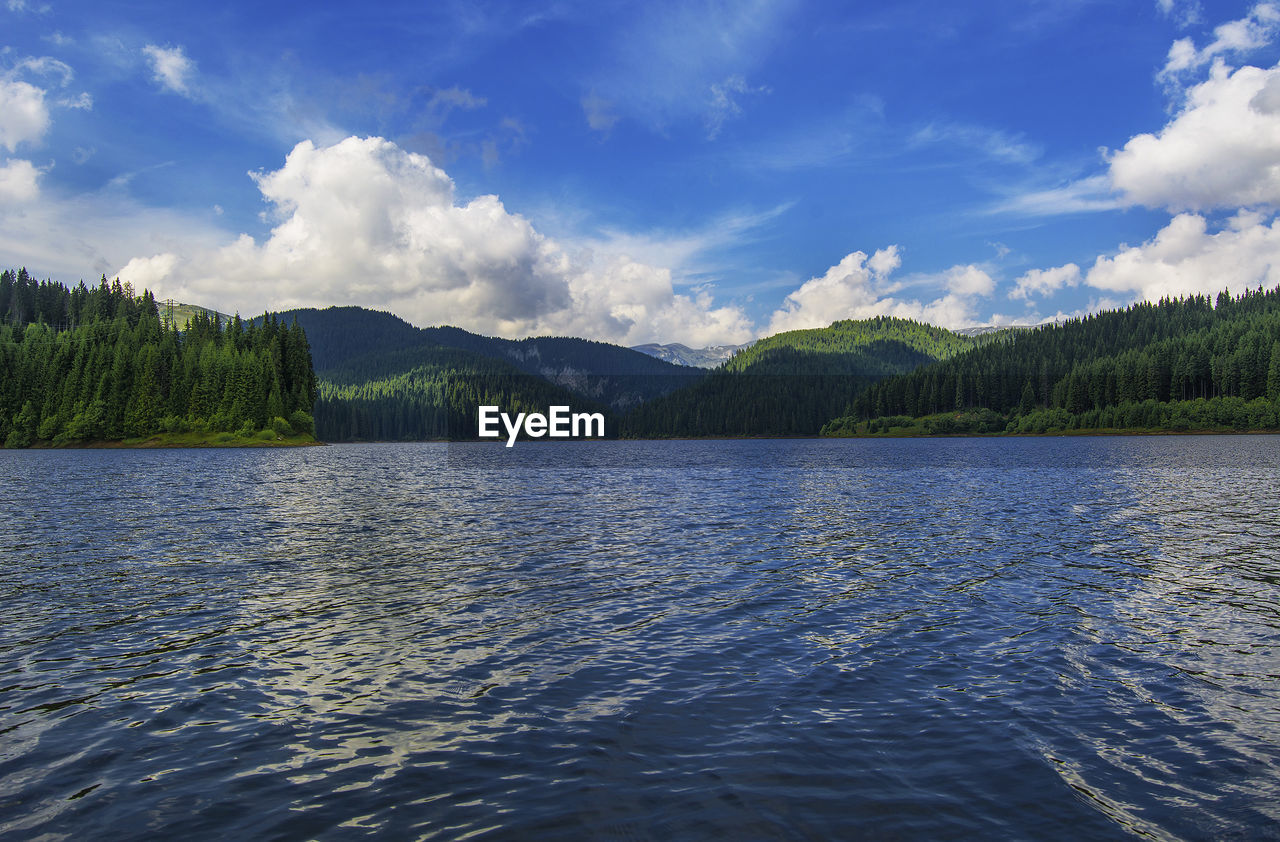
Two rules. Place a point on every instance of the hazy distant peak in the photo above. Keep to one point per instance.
(674, 352)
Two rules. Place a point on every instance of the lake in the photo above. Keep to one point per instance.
(1052, 638)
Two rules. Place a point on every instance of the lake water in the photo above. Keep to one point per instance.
(959, 638)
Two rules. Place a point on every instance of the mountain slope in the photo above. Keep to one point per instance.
(1178, 364)
(385, 346)
(789, 383)
(428, 392)
(881, 345)
(381, 378)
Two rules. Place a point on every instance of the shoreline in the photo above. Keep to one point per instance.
(1057, 434)
(170, 442)
(1087, 433)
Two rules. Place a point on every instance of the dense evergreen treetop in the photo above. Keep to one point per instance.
(99, 364)
(1172, 350)
(436, 396)
(791, 383)
(883, 342)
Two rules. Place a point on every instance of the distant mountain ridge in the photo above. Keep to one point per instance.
(708, 357)
(792, 383)
(381, 377)
(875, 347)
(339, 334)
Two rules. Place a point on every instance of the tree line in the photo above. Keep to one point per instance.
(98, 363)
(886, 343)
(436, 397)
(791, 383)
(1182, 363)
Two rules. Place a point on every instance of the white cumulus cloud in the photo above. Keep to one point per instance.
(843, 292)
(24, 109)
(1185, 258)
(170, 67)
(365, 222)
(1255, 30)
(859, 287)
(24, 116)
(1046, 281)
(1221, 151)
(18, 181)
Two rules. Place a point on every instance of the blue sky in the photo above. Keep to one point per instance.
(701, 172)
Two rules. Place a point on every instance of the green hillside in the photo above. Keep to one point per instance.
(878, 346)
(1185, 364)
(382, 378)
(341, 334)
(793, 382)
(426, 393)
(179, 316)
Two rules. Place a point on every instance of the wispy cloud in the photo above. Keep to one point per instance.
(689, 60)
(988, 142)
(599, 113)
(444, 100)
(692, 255)
(170, 67)
(832, 142)
(1183, 12)
(725, 105)
(1085, 195)
(44, 66)
(24, 6)
(1255, 30)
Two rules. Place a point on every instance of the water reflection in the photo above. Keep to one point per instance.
(1043, 638)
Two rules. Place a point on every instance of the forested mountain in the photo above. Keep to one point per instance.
(793, 382)
(1177, 364)
(434, 393)
(339, 334)
(179, 315)
(103, 363)
(97, 363)
(382, 378)
(876, 346)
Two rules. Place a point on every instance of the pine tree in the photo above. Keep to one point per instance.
(1273, 373)
(1028, 402)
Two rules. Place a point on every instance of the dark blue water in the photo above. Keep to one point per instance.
(1014, 638)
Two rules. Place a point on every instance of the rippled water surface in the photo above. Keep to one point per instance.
(1026, 638)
